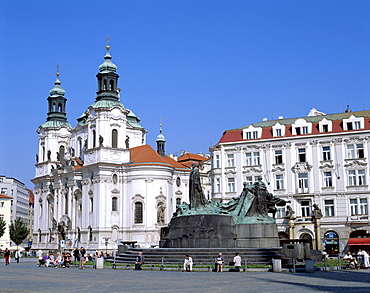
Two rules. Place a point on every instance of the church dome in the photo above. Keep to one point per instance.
(160, 137)
(107, 65)
(57, 89)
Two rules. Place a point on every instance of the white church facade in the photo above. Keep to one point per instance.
(99, 183)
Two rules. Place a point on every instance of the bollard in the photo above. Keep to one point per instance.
(276, 265)
(245, 266)
(339, 265)
(293, 265)
(325, 265)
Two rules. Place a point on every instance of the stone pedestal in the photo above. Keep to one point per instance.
(217, 231)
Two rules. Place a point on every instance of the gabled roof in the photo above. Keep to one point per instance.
(5, 196)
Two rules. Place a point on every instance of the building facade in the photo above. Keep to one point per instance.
(99, 182)
(319, 163)
(5, 214)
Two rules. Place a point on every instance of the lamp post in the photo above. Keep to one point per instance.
(106, 244)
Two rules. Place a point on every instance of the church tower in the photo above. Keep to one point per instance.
(161, 142)
(57, 102)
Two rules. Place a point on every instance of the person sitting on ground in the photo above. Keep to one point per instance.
(237, 262)
(50, 260)
(40, 258)
(67, 259)
(139, 261)
(59, 261)
(188, 264)
(351, 260)
(219, 262)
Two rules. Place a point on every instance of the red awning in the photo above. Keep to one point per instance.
(358, 241)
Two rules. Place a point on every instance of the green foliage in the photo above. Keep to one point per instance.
(18, 231)
(2, 227)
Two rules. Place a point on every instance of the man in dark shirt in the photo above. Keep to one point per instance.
(139, 261)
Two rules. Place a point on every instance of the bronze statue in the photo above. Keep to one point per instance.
(196, 195)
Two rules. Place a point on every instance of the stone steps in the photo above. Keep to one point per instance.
(199, 255)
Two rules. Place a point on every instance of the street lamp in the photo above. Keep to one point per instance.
(106, 244)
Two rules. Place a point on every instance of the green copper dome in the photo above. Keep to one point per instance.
(57, 89)
(107, 65)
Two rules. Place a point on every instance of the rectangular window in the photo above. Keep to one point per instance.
(326, 153)
(349, 126)
(280, 212)
(255, 134)
(2, 204)
(303, 183)
(355, 151)
(4, 191)
(248, 135)
(230, 160)
(230, 184)
(252, 159)
(356, 177)
(325, 128)
(363, 206)
(304, 130)
(249, 180)
(218, 185)
(302, 155)
(328, 179)
(279, 182)
(278, 132)
(329, 208)
(353, 207)
(278, 157)
(217, 161)
(305, 208)
(357, 125)
(297, 130)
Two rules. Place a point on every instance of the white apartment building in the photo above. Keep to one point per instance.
(5, 214)
(319, 159)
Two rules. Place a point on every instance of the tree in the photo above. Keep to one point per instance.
(18, 231)
(2, 227)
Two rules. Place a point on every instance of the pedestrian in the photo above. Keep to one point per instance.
(40, 259)
(188, 264)
(365, 258)
(6, 256)
(17, 255)
(82, 257)
(139, 261)
(76, 254)
(237, 262)
(219, 262)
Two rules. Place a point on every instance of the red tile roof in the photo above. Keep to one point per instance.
(4, 196)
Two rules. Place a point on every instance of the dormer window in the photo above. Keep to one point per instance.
(353, 123)
(252, 132)
(301, 126)
(325, 125)
(278, 130)
(325, 128)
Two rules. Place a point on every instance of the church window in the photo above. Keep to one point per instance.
(61, 153)
(54, 108)
(91, 204)
(104, 84)
(43, 153)
(114, 138)
(114, 204)
(178, 201)
(138, 213)
(111, 85)
(60, 109)
(115, 178)
(66, 204)
(94, 138)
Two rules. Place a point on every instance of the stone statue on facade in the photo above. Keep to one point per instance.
(196, 195)
(49, 155)
(127, 142)
(160, 215)
(101, 140)
(289, 213)
(316, 211)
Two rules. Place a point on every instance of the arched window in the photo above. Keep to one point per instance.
(114, 204)
(54, 108)
(61, 153)
(43, 153)
(178, 201)
(60, 109)
(114, 138)
(66, 204)
(104, 84)
(91, 204)
(94, 138)
(111, 85)
(138, 213)
(115, 179)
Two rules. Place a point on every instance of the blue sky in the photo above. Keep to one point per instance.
(202, 66)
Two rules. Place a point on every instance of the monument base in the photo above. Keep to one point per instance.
(217, 231)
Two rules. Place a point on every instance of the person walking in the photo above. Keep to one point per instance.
(17, 255)
(6, 256)
(82, 257)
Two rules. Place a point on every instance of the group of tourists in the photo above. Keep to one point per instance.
(7, 254)
(362, 260)
(62, 259)
(219, 262)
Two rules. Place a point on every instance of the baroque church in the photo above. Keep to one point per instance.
(99, 183)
